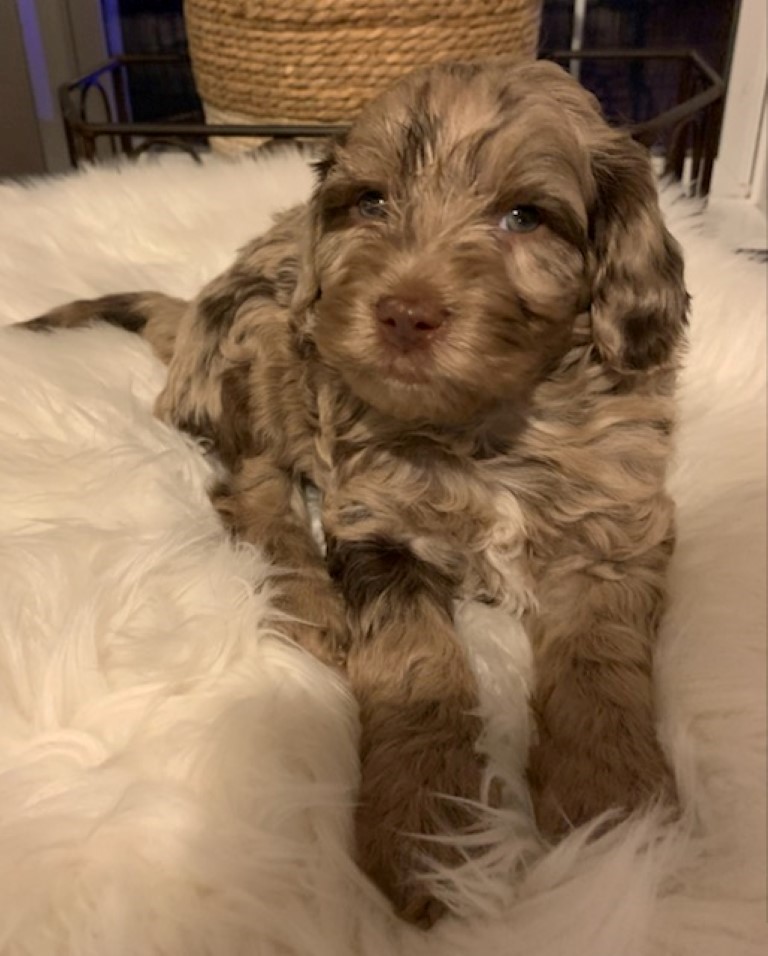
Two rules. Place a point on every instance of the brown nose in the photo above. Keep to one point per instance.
(409, 323)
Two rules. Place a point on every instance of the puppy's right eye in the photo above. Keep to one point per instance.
(521, 219)
(372, 205)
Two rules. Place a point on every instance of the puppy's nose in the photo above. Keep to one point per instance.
(409, 322)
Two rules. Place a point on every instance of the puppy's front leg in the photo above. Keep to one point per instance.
(418, 701)
(597, 746)
(256, 504)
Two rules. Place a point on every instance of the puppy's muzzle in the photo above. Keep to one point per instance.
(409, 323)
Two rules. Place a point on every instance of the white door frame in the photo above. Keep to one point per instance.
(739, 171)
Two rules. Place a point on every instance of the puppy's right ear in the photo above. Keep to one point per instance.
(307, 290)
(639, 302)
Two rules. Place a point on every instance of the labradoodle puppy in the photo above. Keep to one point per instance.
(467, 340)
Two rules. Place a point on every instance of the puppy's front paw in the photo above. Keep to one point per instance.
(572, 783)
(412, 758)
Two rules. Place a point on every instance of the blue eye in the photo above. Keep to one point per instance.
(520, 219)
(372, 205)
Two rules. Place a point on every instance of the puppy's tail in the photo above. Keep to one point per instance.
(152, 315)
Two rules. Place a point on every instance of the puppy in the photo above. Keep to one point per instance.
(467, 340)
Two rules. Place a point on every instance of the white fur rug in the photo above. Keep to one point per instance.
(175, 779)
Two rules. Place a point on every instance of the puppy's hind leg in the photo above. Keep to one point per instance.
(152, 315)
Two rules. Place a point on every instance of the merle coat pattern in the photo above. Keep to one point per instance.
(467, 340)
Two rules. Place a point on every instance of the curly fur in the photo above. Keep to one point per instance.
(518, 460)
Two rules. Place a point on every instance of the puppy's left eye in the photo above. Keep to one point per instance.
(521, 219)
(372, 205)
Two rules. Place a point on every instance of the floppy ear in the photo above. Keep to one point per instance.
(307, 289)
(639, 302)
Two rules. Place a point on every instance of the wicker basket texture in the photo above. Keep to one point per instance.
(320, 61)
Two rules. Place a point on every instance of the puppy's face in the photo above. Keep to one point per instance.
(455, 240)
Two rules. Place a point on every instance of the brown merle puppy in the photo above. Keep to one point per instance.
(467, 341)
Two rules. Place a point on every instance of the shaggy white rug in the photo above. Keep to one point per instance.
(175, 779)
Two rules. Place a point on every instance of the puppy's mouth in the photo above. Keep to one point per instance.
(414, 366)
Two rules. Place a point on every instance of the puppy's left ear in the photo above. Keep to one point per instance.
(308, 288)
(639, 302)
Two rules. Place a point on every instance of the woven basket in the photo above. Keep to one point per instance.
(320, 61)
